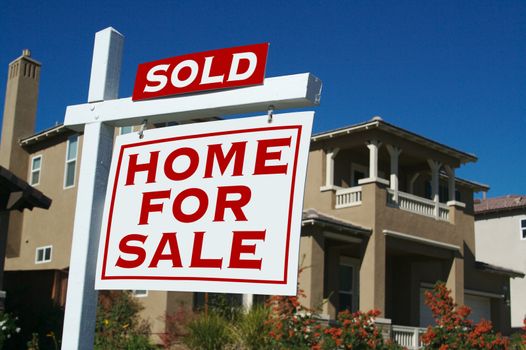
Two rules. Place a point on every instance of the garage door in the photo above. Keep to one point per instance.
(480, 307)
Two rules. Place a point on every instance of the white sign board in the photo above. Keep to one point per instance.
(210, 207)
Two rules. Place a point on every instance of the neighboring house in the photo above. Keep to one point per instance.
(500, 230)
(385, 218)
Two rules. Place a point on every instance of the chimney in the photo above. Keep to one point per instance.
(19, 112)
(20, 108)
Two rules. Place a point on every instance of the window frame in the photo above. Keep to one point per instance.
(353, 263)
(33, 170)
(43, 249)
(127, 126)
(139, 293)
(73, 160)
(522, 229)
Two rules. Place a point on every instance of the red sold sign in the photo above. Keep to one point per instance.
(217, 69)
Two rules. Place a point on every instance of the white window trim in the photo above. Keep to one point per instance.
(70, 161)
(43, 248)
(139, 295)
(522, 230)
(355, 264)
(31, 171)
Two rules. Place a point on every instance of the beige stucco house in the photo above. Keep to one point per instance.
(500, 231)
(385, 218)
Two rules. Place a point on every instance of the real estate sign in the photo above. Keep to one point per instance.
(212, 207)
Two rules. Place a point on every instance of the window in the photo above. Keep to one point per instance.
(347, 284)
(140, 293)
(43, 254)
(125, 130)
(71, 161)
(523, 229)
(358, 172)
(36, 166)
(217, 301)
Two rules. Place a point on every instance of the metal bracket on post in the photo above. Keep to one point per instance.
(143, 127)
(270, 113)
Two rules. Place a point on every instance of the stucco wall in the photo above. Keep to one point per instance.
(499, 242)
(49, 227)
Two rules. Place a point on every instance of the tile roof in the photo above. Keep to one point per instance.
(510, 201)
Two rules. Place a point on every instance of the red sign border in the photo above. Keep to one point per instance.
(104, 276)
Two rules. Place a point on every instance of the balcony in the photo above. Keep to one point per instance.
(418, 205)
(352, 196)
(348, 197)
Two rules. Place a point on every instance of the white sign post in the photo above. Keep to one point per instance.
(99, 117)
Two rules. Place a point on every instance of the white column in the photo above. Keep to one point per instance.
(373, 146)
(248, 301)
(329, 167)
(394, 153)
(81, 303)
(451, 182)
(435, 168)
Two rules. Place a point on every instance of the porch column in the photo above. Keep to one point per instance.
(329, 167)
(374, 146)
(373, 274)
(455, 279)
(451, 182)
(394, 153)
(435, 168)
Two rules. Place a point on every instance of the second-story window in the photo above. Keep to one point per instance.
(36, 166)
(71, 161)
(126, 130)
(43, 254)
(523, 229)
(140, 293)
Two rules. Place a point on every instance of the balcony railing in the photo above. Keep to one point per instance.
(418, 205)
(408, 337)
(348, 197)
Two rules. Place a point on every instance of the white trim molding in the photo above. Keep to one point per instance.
(425, 241)
(371, 180)
(456, 204)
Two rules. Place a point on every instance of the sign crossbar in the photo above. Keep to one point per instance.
(290, 91)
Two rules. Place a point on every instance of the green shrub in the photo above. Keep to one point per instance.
(252, 329)
(209, 332)
(8, 327)
(118, 324)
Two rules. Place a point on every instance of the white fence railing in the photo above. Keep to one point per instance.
(348, 197)
(418, 205)
(408, 337)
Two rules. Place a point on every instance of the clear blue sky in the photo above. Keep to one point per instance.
(454, 71)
